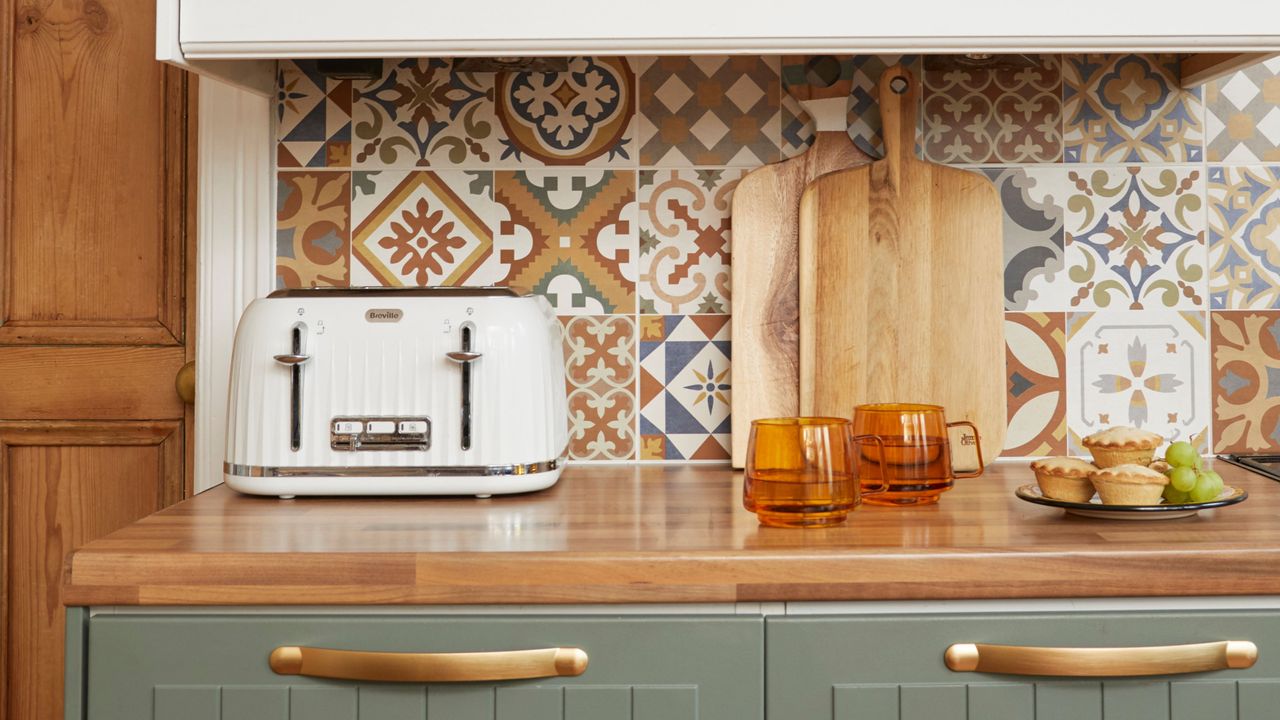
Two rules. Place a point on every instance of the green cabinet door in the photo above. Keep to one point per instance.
(214, 667)
(890, 667)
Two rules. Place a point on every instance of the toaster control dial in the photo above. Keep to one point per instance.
(364, 434)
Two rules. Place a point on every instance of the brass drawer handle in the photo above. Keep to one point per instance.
(1101, 662)
(428, 667)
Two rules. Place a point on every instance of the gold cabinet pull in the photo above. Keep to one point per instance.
(428, 667)
(1101, 662)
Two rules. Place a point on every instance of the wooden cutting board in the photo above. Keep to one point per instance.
(900, 283)
(765, 298)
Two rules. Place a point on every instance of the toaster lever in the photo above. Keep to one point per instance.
(462, 356)
(292, 359)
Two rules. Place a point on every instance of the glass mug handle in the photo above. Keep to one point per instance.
(977, 442)
(884, 484)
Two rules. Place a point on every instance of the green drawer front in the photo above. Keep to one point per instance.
(215, 668)
(891, 668)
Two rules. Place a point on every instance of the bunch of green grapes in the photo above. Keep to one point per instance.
(1188, 480)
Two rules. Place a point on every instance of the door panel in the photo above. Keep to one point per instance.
(95, 206)
(72, 482)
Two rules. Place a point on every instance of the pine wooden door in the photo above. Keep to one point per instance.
(93, 319)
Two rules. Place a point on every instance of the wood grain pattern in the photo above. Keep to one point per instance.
(900, 283)
(1199, 68)
(72, 482)
(765, 300)
(608, 534)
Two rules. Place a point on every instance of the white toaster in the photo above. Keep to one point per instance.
(378, 391)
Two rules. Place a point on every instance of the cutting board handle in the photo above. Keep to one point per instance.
(899, 97)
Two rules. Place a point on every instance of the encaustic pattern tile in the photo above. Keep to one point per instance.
(1244, 237)
(1129, 108)
(1246, 381)
(684, 240)
(1036, 362)
(313, 229)
(709, 110)
(421, 112)
(569, 235)
(583, 116)
(684, 387)
(1033, 199)
(313, 117)
(1242, 115)
(1146, 369)
(991, 115)
(1135, 238)
(422, 227)
(864, 105)
(600, 371)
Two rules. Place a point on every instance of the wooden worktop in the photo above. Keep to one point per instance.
(610, 534)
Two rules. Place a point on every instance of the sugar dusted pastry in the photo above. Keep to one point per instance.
(1064, 478)
(1122, 446)
(1129, 484)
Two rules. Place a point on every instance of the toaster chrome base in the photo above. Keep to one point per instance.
(479, 480)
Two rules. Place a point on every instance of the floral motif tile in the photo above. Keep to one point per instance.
(864, 103)
(313, 117)
(1246, 381)
(684, 387)
(423, 227)
(1129, 108)
(569, 235)
(991, 115)
(1146, 369)
(1244, 237)
(600, 369)
(1135, 238)
(1033, 200)
(709, 110)
(1035, 359)
(684, 240)
(313, 228)
(583, 116)
(1242, 115)
(421, 113)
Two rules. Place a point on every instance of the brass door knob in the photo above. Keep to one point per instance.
(185, 383)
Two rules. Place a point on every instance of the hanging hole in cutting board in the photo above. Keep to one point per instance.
(899, 85)
(822, 71)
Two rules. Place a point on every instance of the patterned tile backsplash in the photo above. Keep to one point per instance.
(1141, 228)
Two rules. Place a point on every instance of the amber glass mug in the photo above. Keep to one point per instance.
(914, 452)
(803, 471)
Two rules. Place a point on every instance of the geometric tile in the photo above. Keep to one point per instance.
(313, 229)
(1244, 237)
(1033, 199)
(1135, 238)
(1246, 381)
(993, 114)
(1242, 115)
(422, 227)
(583, 116)
(1129, 108)
(864, 102)
(600, 375)
(313, 117)
(1035, 360)
(421, 112)
(684, 240)
(570, 236)
(684, 387)
(1148, 369)
(709, 110)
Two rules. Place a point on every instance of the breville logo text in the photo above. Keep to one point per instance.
(383, 315)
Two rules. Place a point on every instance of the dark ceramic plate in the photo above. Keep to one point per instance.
(1095, 508)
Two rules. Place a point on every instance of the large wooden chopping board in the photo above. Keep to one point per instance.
(765, 300)
(900, 283)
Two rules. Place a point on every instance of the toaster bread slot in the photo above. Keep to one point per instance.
(294, 361)
(464, 358)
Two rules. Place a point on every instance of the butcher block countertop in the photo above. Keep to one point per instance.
(651, 533)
